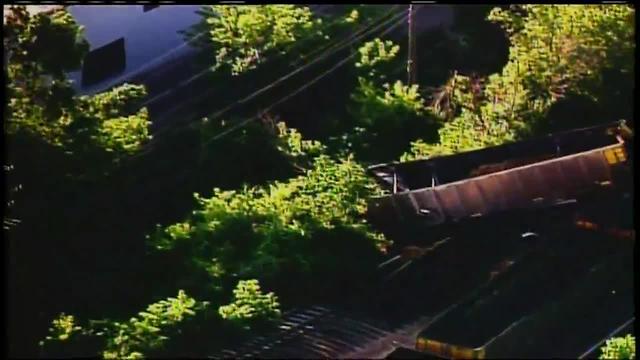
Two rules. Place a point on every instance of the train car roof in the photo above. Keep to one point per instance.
(567, 142)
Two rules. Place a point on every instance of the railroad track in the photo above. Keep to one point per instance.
(327, 332)
(317, 332)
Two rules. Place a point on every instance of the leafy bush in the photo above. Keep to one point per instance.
(619, 348)
(556, 51)
(143, 334)
(266, 232)
(63, 328)
(250, 304)
(139, 337)
(392, 116)
(387, 107)
(42, 102)
(245, 35)
(300, 151)
(460, 134)
(377, 57)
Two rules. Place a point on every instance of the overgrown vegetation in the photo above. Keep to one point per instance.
(140, 336)
(270, 216)
(245, 36)
(42, 102)
(557, 52)
(619, 348)
(250, 304)
(299, 228)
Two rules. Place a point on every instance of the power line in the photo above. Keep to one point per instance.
(360, 30)
(313, 81)
(198, 75)
(346, 42)
(330, 51)
(368, 32)
(326, 55)
(157, 60)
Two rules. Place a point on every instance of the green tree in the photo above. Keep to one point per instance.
(556, 52)
(41, 101)
(143, 335)
(301, 152)
(244, 36)
(390, 115)
(250, 305)
(298, 227)
(377, 59)
(619, 348)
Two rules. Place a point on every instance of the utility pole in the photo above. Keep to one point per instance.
(411, 61)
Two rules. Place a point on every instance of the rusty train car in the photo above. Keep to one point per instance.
(549, 171)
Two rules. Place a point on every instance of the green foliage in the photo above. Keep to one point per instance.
(300, 151)
(458, 135)
(42, 102)
(144, 333)
(124, 134)
(62, 328)
(245, 35)
(28, 41)
(392, 116)
(386, 117)
(134, 339)
(376, 57)
(619, 348)
(36, 86)
(266, 232)
(421, 150)
(556, 51)
(250, 304)
(380, 107)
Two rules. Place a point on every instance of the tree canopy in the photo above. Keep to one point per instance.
(270, 216)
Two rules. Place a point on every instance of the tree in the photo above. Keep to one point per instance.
(297, 227)
(250, 305)
(244, 36)
(619, 348)
(390, 115)
(141, 336)
(556, 52)
(42, 102)
(56, 142)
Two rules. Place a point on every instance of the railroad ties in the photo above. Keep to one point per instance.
(519, 297)
(317, 332)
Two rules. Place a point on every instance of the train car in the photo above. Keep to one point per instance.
(550, 171)
(525, 318)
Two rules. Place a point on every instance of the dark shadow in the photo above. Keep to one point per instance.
(104, 62)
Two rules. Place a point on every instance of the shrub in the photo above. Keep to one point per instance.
(245, 35)
(556, 51)
(267, 232)
(250, 305)
(619, 348)
(139, 337)
(377, 58)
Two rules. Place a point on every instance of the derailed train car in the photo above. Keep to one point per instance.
(446, 194)
(437, 194)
